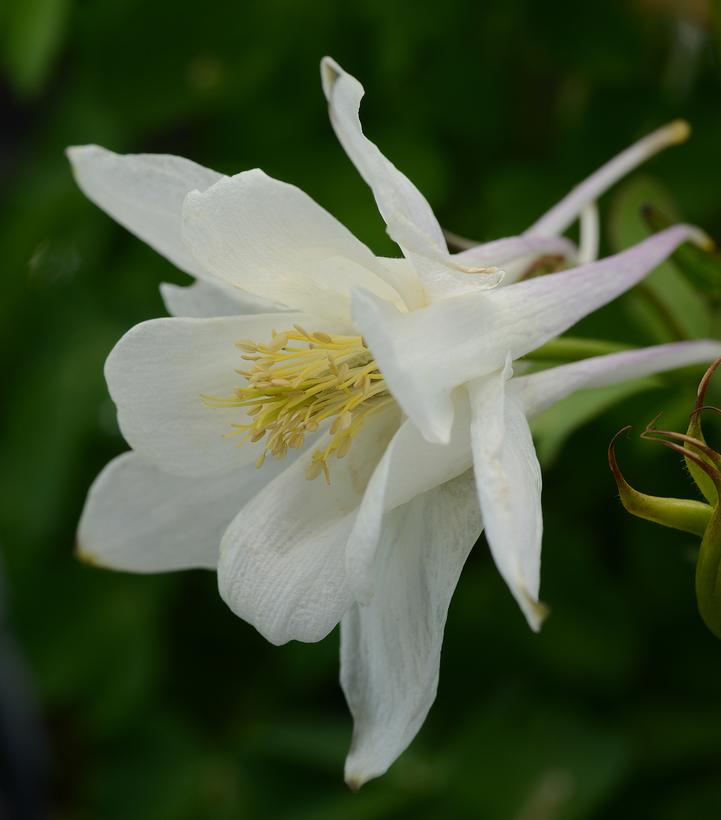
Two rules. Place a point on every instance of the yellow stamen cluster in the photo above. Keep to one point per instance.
(298, 381)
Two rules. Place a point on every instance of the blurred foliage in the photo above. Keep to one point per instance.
(160, 705)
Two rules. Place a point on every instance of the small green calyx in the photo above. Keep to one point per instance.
(689, 515)
(703, 481)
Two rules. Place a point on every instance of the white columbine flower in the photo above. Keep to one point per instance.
(386, 382)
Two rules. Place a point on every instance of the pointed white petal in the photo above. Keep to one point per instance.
(144, 193)
(282, 562)
(271, 239)
(538, 391)
(390, 649)
(158, 373)
(500, 252)
(568, 209)
(410, 466)
(410, 220)
(395, 195)
(425, 354)
(140, 519)
(205, 299)
(508, 479)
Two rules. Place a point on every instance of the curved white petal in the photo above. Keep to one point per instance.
(500, 252)
(395, 195)
(425, 354)
(400, 274)
(282, 564)
(508, 479)
(410, 466)
(205, 300)
(390, 649)
(144, 193)
(158, 373)
(139, 519)
(443, 275)
(410, 219)
(271, 239)
(538, 391)
(569, 208)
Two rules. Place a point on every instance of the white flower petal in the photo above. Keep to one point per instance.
(140, 519)
(144, 193)
(539, 391)
(401, 275)
(508, 479)
(158, 373)
(442, 274)
(410, 466)
(205, 299)
(390, 649)
(569, 208)
(410, 219)
(425, 354)
(271, 239)
(516, 255)
(500, 252)
(282, 561)
(395, 195)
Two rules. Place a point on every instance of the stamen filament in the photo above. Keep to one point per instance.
(298, 381)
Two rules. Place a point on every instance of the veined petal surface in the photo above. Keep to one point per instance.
(271, 239)
(424, 355)
(410, 466)
(390, 649)
(282, 562)
(158, 374)
(205, 299)
(508, 479)
(145, 194)
(140, 519)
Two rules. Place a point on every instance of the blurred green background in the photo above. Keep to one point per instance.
(155, 702)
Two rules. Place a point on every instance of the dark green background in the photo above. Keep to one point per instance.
(157, 703)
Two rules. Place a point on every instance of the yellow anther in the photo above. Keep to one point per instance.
(299, 381)
(345, 446)
(313, 470)
(280, 340)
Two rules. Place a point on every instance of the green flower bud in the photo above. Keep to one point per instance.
(688, 515)
(683, 514)
(703, 482)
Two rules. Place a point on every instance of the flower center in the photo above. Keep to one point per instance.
(298, 381)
